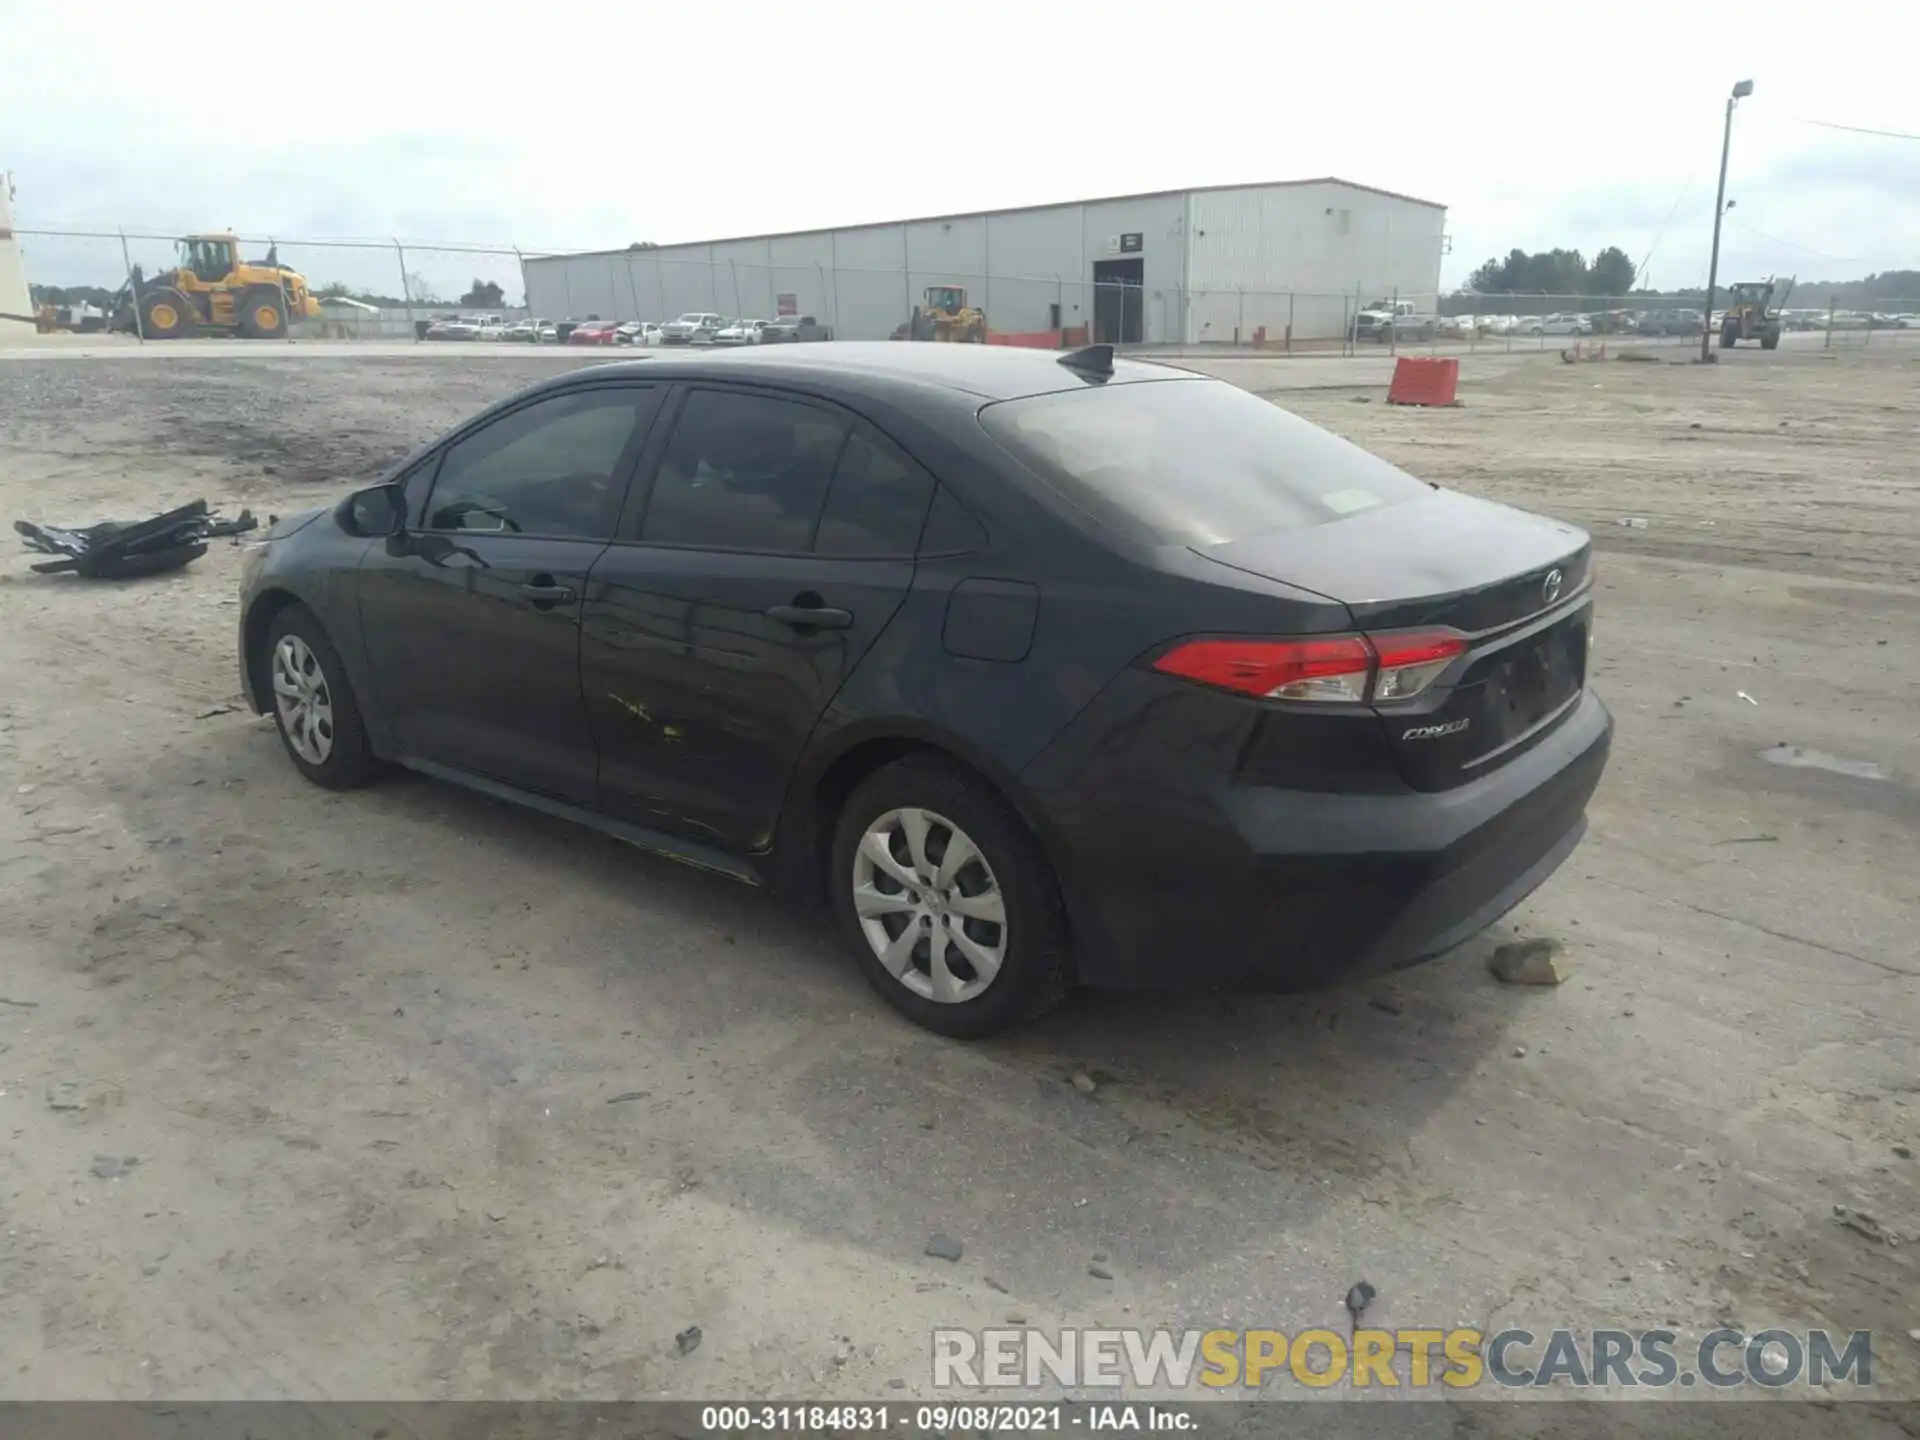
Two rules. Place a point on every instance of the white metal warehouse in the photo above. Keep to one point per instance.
(1177, 266)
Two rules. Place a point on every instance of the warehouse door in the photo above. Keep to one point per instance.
(1119, 312)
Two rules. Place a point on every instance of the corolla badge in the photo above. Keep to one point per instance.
(1434, 732)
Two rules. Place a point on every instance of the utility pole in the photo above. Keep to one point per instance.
(1740, 92)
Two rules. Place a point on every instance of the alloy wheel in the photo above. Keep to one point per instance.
(303, 700)
(929, 905)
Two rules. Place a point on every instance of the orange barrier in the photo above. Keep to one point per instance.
(1424, 381)
(1027, 339)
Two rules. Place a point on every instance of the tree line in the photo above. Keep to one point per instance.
(1555, 272)
(1567, 274)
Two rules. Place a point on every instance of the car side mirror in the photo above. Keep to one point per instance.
(377, 510)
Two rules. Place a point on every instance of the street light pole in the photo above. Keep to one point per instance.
(1740, 92)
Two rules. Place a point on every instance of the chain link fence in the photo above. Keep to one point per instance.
(91, 280)
(378, 289)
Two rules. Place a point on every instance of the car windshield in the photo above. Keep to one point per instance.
(690, 319)
(1193, 462)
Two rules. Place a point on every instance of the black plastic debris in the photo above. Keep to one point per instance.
(121, 549)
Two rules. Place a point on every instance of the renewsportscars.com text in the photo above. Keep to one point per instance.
(1458, 1359)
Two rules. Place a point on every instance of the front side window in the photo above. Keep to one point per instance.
(551, 468)
(744, 472)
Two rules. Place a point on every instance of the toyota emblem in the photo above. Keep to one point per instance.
(1550, 587)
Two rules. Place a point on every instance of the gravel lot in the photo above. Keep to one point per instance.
(431, 1097)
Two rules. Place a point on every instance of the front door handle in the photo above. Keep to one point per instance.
(541, 592)
(810, 617)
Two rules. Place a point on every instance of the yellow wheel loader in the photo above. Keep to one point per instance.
(1752, 313)
(212, 288)
(945, 315)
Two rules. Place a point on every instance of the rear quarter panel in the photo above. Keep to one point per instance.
(1102, 605)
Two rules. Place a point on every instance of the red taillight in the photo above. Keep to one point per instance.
(1326, 667)
(1337, 669)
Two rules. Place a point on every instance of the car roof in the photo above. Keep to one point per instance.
(990, 372)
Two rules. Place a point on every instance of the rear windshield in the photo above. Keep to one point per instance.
(1193, 462)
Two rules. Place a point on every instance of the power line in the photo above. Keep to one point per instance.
(1859, 129)
(1667, 224)
(1803, 249)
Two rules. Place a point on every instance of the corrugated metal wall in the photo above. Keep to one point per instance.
(1214, 266)
(864, 281)
(1274, 255)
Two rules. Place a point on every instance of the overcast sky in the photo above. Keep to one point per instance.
(591, 124)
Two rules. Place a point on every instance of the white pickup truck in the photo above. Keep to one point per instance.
(1385, 320)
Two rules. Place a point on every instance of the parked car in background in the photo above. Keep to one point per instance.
(1566, 325)
(740, 332)
(789, 329)
(1683, 322)
(452, 327)
(1493, 324)
(531, 332)
(1527, 325)
(694, 328)
(1386, 320)
(1079, 671)
(594, 332)
(490, 327)
(1454, 327)
(637, 332)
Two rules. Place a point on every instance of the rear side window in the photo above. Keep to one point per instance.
(877, 503)
(1192, 462)
(744, 472)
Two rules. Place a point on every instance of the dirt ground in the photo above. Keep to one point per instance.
(430, 1097)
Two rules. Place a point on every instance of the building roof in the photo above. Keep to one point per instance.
(1004, 210)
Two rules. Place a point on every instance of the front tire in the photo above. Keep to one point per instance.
(950, 907)
(314, 707)
(262, 314)
(165, 314)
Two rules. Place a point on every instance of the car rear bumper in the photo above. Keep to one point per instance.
(1178, 883)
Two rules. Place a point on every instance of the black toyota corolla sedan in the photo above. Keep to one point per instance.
(1039, 670)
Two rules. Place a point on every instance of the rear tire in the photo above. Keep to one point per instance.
(165, 314)
(1727, 337)
(262, 314)
(314, 707)
(890, 904)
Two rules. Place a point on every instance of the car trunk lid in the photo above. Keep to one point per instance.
(1512, 584)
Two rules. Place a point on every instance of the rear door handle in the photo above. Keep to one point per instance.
(813, 617)
(542, 591)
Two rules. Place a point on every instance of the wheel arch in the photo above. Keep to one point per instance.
(825, 779)
(260, 616)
